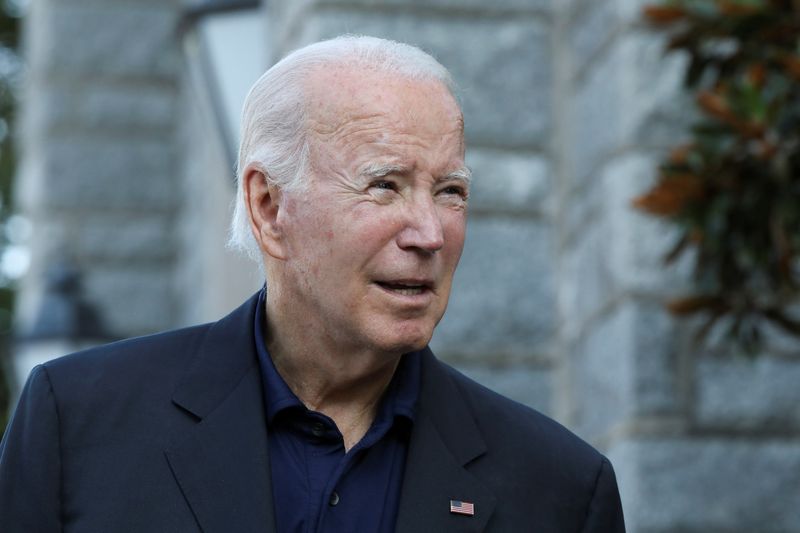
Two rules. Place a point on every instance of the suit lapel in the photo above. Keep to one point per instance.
(222, 464)
(444, 441)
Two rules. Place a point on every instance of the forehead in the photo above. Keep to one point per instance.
(346, 99)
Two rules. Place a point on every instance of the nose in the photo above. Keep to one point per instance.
(422, 226)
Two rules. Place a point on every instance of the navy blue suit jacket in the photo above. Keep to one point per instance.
(167, 433)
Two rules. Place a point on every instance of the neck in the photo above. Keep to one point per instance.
(338, 381)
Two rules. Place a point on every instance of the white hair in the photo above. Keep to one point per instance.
(274, 119)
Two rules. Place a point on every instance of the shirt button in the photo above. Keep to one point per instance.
(318, 429)
(334, 501)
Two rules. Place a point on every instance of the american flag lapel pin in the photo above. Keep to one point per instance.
(462, 507)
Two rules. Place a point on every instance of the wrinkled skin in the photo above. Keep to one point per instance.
(363, 259)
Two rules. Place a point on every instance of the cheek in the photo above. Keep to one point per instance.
(455, 228)
(367, 224)
(310, 247)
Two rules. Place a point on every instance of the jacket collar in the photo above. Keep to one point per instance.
(226, 354)
(222, 465)
(445, 440)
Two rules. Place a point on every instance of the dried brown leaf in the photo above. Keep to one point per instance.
(670, 195)
(663, 14)
(694, 304)
(737, 9)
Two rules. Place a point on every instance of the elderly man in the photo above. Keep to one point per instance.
(316, 406)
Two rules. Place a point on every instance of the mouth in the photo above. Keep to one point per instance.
(406, 287)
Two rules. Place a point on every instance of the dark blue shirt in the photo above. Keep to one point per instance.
(316, 486)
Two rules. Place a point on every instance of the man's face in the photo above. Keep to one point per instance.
(373, 242)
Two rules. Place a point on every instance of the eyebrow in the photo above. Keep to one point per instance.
(380, 170)
(462, 174)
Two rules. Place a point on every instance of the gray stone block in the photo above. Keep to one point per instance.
(480, 5)
(676, 485)
(585, 284)
(119, 108)
(109, 174)
(579, 208)
(504, 67)
(757, 394)
(656, 381)
(124, 107)
(510, 182)
(532, 386)
(610, 248)
(285, 18)
(595, 116)
(599, 375)
(630, 96)
(44, 106)
(132, 239)
(132, 300)
(635, 242)
(283, 21)
(106, 40)
(85, 3)
(502, 304)
(624, 367)
(591, 26)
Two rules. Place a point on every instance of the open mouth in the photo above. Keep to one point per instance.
(405, 288)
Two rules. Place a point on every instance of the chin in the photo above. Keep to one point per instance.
(408, 341)
(398, 335)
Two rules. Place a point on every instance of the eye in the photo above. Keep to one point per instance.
(384, 185)
(455, 190)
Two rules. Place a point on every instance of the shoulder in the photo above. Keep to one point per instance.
(164, 351)
(536, 468)
(127, 374)
(524, 435)
(131, 384)
(160, 355)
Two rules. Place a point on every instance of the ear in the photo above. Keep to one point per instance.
(263, 201)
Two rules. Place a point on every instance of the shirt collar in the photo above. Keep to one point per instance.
(400, 399)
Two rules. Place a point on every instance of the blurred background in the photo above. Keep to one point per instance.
(119, 130)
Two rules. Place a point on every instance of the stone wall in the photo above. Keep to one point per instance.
(98, 154)
(701, 441)
(209, 279)
(619, 105)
